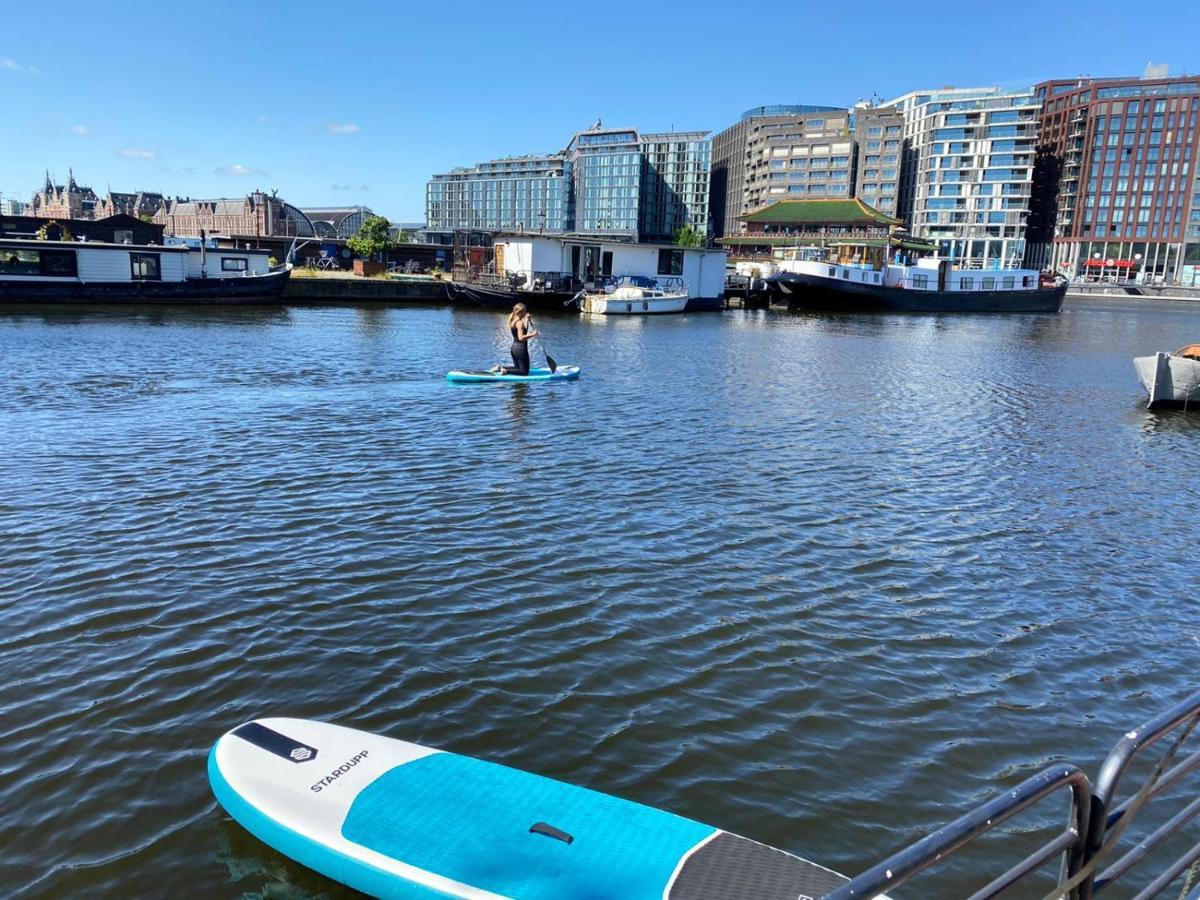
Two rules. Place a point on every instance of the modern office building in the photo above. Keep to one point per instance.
(967, 171)
(608, 182)
(737, 152)
(1117, 196)
(676, 168)
(523, 193)
(879, 135)
(606, 178)
(11, 207)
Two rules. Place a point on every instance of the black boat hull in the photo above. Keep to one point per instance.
(797, 291)
(506, 298)
(250, 290)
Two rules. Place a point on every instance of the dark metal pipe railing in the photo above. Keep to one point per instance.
(905, 864)
(1147, 844)
(1031, 863)
(1108, 824)
(1094, 830)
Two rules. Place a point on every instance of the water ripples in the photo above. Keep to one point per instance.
(796, 576)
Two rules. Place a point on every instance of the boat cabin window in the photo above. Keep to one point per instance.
(670, 262)
(122, 237)
(920, 281)
(989, 284)
(832, 272)
(58, 263)
(144, 267)
(967, 283)
(233, 264)
(1027, 281)
(1009, 282)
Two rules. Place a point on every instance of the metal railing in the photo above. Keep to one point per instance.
(904, 865)
(1179, 722)
(1096, 825)
(541, 281)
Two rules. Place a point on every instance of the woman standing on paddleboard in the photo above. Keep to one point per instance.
(520, 323)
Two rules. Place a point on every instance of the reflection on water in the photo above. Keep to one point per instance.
(821, 580)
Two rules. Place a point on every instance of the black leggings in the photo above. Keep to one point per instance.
(520, 355)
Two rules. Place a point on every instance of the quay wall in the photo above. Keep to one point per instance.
(356, 290)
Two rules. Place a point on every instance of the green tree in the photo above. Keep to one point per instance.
(687, 236)
(373, 237)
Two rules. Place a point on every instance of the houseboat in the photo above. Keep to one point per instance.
(34, 271)
(547, 272)
(844, 282)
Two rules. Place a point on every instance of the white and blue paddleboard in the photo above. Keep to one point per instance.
(562, 373)
(395, 819)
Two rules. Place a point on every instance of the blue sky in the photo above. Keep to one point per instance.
(360, 102)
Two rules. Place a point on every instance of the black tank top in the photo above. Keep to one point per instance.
(516, 340)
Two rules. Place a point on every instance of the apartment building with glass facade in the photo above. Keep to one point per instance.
(1117, 195)
(676, 168)
(606, 178)
(737, 151)
(812, 158)
(879, 135)
(524, 193)
(609, 182)
(967, 171)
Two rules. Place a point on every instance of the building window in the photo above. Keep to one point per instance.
(232, 264)
(122, 237)
(19, 262)
(144, 267)
(670, 262)
(57, 263)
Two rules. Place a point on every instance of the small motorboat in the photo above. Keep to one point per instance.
(1171, 379)
(635, 295)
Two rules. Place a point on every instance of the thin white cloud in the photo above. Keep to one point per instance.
(342, 128)
(238, 171)
(138, 153)
(8, 64)
(263, 120)
(81, 130)
(349, 187)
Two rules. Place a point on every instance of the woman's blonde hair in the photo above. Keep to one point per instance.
(518, 313)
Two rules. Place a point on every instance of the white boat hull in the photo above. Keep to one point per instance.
(1169, 379)
(642, 306)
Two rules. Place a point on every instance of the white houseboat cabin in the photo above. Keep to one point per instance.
(530, 258)
(91, 271)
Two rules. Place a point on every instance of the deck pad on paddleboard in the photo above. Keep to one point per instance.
(392, 818)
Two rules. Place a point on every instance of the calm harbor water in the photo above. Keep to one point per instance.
(823, 581)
